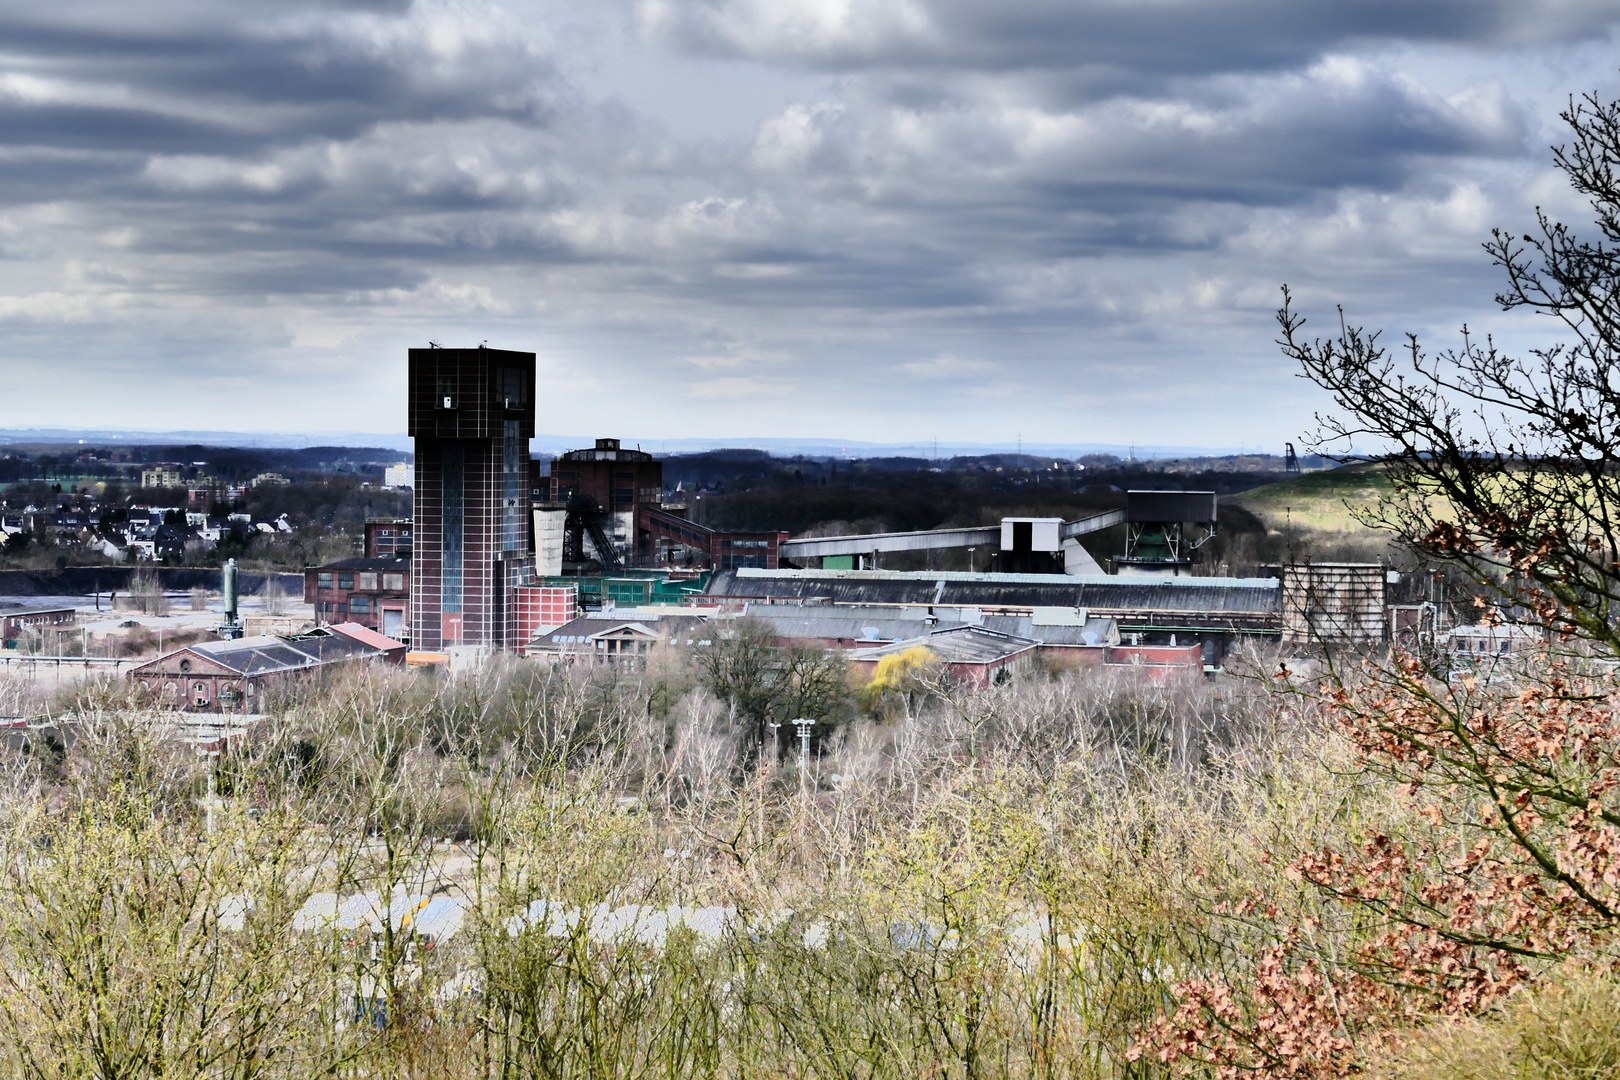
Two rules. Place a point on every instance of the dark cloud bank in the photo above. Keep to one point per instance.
(1066, 219)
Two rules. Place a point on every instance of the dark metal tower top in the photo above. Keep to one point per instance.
(470, 393)
(1290, 459)
(607, 450)
(1157, 537)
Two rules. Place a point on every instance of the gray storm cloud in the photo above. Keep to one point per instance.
(1055, 219)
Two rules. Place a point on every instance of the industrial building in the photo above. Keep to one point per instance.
(234, 675)
(602, 510)
(619, 640)
(17, 622)
(848, 626)
(471, 414)
(1334, 602)
(373, 592)
(389, 536)
(971, 654)
(1211, 612)
(503, 553)
(1163, 532)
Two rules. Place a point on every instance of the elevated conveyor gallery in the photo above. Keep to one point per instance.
(1052, 536)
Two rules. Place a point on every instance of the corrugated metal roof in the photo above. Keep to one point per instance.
(1094, 631)
(268, 655)
(857, 623)
(588, 626)
(892, 623)
(956, 645)
(1104, 593)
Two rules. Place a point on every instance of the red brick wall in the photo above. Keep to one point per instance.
(544, 605)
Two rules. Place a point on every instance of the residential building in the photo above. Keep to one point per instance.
(402, 475)
(164, 475)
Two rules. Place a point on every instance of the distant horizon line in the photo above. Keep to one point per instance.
(926, 449)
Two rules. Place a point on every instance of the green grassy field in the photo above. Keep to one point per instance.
(1319, 501)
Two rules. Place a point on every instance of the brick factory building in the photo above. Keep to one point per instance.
(372, 592)
(233, 676)
(618, 480)
(15, 623)
(545, 607)
(605, 506)
(471, 412)
(388, 536)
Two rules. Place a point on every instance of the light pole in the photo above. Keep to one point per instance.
(804, 725)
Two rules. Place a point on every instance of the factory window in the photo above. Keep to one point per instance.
(515, 473)
(325, 581)
(366, 582)
(453, 463)
(345, 581)
(360, 605)
(394, 582)
(624, 495)
(512, 386)
(185, 665)
(199, 693)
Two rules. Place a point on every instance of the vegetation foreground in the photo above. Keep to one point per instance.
(1070, 875)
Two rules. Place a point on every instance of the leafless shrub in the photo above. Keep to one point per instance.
(146, 593)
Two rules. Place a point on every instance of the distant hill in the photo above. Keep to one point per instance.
(1317, 501)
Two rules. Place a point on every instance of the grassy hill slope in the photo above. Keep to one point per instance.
(1318, 501)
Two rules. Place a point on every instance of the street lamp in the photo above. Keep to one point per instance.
(804, 724)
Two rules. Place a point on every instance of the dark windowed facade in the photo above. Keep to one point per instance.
(472, 416)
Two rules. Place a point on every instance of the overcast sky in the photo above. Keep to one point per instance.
(887, 220)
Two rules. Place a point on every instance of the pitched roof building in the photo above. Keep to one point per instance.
(623, 640)
(972, 654)
(234, 675)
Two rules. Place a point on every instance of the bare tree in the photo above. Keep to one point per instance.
(1507, 466)
(763, 681)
